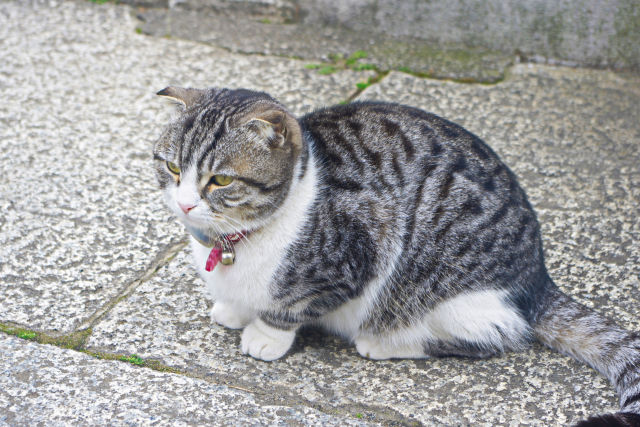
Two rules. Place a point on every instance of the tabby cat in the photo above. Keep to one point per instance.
(387, 225)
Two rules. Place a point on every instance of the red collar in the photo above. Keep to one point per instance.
(223, 250)
(236, 237)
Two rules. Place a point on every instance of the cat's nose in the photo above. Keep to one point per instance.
(186, 207)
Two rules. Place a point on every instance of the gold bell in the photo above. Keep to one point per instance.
(227, 257)
(228, 253)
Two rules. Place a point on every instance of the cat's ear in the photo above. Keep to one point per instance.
(183, 96)
(271, 125)
(277, 126)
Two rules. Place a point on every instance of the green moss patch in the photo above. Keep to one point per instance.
(74, 340)
(133, 359)
(25, 334)
(338, 61)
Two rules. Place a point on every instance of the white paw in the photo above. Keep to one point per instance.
(261, 341)
(375, 348)
(231, 315)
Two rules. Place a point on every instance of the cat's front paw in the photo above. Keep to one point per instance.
(264, 342)
(230, 315)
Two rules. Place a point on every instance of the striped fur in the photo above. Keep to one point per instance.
(385, 224)
(573, 329)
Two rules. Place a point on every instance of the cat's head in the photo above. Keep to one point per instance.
(227, 162)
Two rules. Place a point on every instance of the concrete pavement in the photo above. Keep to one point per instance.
(92, 263)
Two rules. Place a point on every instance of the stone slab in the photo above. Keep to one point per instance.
(45, 385)
(81, 215)
(572, 136)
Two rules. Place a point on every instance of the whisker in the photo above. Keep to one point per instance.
(228, 221)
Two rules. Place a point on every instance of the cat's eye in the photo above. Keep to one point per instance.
(221, 180)
(173, 168)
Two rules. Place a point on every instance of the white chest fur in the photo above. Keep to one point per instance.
(248, 281)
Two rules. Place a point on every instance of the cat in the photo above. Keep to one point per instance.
(390, 226)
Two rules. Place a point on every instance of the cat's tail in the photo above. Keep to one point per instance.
(580, 332)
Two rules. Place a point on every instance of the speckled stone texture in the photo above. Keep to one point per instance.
(572, 137)
(43, 385)
(82, 220)
(81, 214)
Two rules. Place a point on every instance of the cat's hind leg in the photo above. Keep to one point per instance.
(460, 349)
(377, 348)
(373, 347)
(230, 315)
(473, 324)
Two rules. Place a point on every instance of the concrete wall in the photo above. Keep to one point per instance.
(600, 33)
(594, 33)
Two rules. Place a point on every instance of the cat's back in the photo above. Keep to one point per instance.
(388, 147)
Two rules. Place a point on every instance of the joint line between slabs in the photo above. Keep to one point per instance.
(161, 260)
(377, 79)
